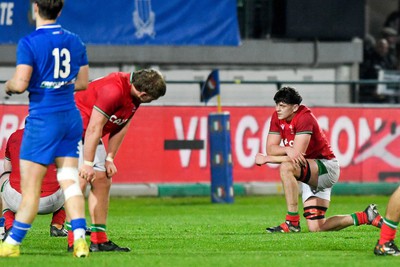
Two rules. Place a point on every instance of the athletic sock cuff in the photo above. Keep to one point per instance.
(98, 227)
(355, 219)
(390, 223)
(79, 223)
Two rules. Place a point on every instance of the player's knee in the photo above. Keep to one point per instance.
(314, 227)
(102, 180)
(286, 166)
(69, 174)
(286, 169)
(101, 186)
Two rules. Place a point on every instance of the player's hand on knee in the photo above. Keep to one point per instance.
(111, 169)
(260, 159)
(87, 172)
(296, 156)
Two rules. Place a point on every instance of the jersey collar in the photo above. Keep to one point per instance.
(49, 26)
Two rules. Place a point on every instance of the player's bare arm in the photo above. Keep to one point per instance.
(91, 140)
(20, 80)
(262, 159)
(115, 139)
(276, 153)
(295, 153)
(299, 149)
(274, 147)
(82, 78)
(114, 143)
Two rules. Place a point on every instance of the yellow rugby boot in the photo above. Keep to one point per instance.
(9, 250)
(81, 249)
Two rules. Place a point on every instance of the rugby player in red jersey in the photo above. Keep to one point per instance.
(107, 107)
(306, 157)
(51, 195)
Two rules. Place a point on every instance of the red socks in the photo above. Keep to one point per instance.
(388, 231)
(361, 218)
(59, 217)
(98, 237)
(10, 217)
(293, 218)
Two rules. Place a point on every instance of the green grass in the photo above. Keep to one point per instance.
(194, 232)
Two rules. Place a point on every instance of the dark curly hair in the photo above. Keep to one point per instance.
(288, 95)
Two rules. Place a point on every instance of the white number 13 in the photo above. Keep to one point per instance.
(63, 57)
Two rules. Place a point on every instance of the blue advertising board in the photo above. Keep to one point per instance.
(134, 22)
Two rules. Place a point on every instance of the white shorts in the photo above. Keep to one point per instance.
(47, 205)
(325, 181)
(99, 157)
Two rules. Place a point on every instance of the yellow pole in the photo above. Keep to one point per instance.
(219, 108)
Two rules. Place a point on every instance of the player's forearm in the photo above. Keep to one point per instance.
(276, 150)
(115, 140)
(114, 143)
(14, 86)
(262, 159)
(276, 159)
(82, 80)
(20, 80)
(91, 141)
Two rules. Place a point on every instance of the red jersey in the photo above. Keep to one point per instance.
(110, 95)
(304, 122)
(50, 183)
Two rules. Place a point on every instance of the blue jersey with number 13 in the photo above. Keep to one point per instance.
(55, 55)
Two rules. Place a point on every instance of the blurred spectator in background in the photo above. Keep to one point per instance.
(390, 35)
(369, 43)
(393, 20)
(378, 59)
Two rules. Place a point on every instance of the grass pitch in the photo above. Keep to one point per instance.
(194, 232)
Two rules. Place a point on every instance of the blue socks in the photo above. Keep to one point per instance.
(19, 231)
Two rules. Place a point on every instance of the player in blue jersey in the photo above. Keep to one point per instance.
(51, 64)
